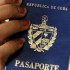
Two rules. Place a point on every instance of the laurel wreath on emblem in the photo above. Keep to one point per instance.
(46, 47)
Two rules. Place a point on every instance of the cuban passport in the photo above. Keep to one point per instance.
(47, 45)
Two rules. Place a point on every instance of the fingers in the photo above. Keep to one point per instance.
(1, 67)
(14, 26)
(17, 2)
(10, 11)
(9, 48)
(7, 6)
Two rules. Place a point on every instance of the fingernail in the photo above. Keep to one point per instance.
(21, 10)
(15, 1)
(25, 22)
(20, 41)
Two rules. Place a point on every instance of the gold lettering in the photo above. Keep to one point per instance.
(31, 65)
(47, 6)
(22, 64)
(28, 4)
(56, 67)
(27, 64)
(52, 67)
(41, 66)
(46, 67)
(17, 62)
(53, 7)
(36, 65)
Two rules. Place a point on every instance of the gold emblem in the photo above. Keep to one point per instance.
(41, 36)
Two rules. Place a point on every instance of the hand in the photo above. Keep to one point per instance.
(11, 9)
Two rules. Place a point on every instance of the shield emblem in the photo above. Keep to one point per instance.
(41, 37)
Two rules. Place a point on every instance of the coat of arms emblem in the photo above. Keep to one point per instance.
(41, 37)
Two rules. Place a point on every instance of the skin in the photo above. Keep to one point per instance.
(9, 28)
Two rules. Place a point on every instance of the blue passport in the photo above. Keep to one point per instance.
(47, 45)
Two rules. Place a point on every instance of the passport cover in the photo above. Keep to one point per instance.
(47, 43)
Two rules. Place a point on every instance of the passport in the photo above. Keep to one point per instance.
(47, 45)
